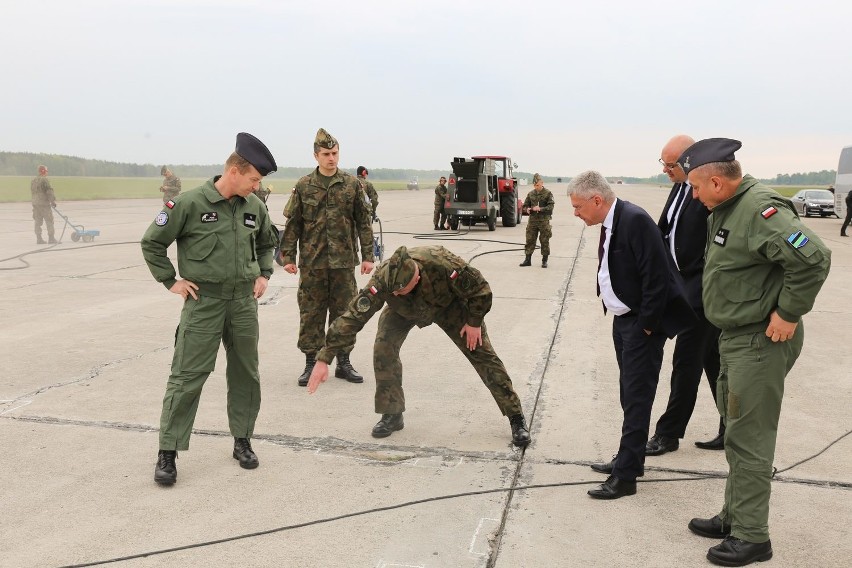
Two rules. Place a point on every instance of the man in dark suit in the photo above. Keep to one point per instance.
(683, 224)
(638, 284)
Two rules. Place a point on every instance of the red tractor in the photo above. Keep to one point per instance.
(480, 189)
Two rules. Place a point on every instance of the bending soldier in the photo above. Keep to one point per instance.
(421, 286)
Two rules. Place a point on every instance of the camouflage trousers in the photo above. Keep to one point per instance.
(538, 228)
(204, 323)
(322, 292)
(43, 214)
(392, 331)
(439, 218)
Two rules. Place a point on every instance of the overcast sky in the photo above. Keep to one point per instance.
(559, 86)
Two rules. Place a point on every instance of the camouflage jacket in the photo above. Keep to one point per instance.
(444, 278)
(222, 245)
(171, 186)
(440, 194)
(368, 188)
(543, 198)
(327, 224)
(42, 192)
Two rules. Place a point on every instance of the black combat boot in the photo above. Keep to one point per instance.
(544, 262)
(527, 261)
(345, 370)
(244, 453)
(310, 361)
(520, 432)
(389, 424)
(165, 473)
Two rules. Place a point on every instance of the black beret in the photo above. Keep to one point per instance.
(256, 153)
(362, 170)
(708, 151)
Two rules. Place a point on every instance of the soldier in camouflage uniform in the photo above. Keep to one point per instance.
(368, 188)
(539, 206)
(326, 213)
(421, 286)
(43, 200)
(171, 185)
(439, 218)
(224, 249)
(262, 192)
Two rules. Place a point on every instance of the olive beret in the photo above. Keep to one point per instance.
(256, 153)
(708, 151)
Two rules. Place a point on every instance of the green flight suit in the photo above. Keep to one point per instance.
(760, 258)
(538, 226)
(223, 246)
(328, 218)
(450, 293)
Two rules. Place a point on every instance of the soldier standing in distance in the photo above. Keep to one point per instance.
(43, 200)
(763, 269)
(439, 219)
(539, 206)
(421, 286)
(171, 185)
(368, 188)
(225, 241)
(848, 218)
(326, 212)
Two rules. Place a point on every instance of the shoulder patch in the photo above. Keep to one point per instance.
(798, 239)
(170, 204)
(363, 303)
(454, 275)
(161, 219)
(768, 212)
(374, 290)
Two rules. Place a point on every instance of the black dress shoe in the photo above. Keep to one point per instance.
(165, 472)
(613, 488)
(735, 552)
(711, 528)
(717, 443)
(244, 453)
(389, 424)
(659, 445)
(608, 467)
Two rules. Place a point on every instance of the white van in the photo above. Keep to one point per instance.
(843, 183)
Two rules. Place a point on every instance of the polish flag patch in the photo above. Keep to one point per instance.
(373, 290)
(454, 275)
(170, 204)
(768, 212)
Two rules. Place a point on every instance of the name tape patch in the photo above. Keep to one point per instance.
(721, 237)
(250, 220)
(210, 217)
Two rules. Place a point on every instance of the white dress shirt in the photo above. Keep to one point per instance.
(673, 216)
(608, 297)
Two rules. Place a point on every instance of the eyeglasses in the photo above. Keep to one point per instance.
(668, 166)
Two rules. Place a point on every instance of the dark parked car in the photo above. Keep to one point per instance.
(819, 202)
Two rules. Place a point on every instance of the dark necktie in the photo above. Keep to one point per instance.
(681, 197)
(600, 256)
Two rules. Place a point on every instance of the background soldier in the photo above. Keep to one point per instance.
(368, 188)
(539, 206)
(43, 200)
(325, 212)
(762, 271)
(848, 218)
(439, 219)
(220, 290)
(171, 185)
(262, 192)
(455, 296)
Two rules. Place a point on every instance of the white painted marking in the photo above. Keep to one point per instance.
(23, 403)
(476, 534)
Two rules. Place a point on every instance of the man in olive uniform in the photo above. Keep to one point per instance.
(763, 269)
(171, 185)
(43, 200)
(439, 219)
(848, 218)
(262, 192)
(225, 241)
(539, 206)
(368, 188)
(326, 213)
(421, 286)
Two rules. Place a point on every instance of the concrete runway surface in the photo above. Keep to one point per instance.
(87, 338)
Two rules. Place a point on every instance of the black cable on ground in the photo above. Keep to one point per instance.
(20, 257)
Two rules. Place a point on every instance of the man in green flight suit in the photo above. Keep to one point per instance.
(326, 213)
(171, 184)
(225, 241)
(421, 286)
(762, 272)
(539, 206)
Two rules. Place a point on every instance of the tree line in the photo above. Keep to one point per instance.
(26, 163)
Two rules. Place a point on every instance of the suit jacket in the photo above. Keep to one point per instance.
(690, 242)
(643, 274)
